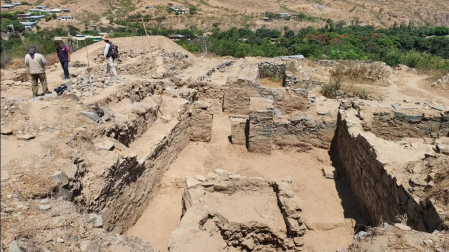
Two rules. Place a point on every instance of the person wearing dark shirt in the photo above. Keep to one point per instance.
(63, 56)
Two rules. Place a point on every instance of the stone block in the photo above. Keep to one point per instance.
(329, 172)
(61, 177)
(191, 182)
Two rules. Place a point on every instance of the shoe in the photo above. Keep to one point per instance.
(48, 92)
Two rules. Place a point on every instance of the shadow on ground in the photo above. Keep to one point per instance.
(351, 206)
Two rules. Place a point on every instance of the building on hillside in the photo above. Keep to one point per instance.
(66, 18)
(16, 4)
(65, 10)
(149, 7)
(179, 10)
(34, 11)
(29, 25)
(41, 7)
(52, 11)
(23, 16)
(34, 17)
(266, 19)
(176, 36)
(8, 6)
(285, 15)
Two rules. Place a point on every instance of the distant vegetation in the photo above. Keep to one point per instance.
(417, 47)
(402, 44)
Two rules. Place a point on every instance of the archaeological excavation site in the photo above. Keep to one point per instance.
(190, 153)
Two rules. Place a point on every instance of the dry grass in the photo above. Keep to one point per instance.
(336, 89)
(271, 82)
(363, 73)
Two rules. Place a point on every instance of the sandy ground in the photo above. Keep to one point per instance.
(322, 206)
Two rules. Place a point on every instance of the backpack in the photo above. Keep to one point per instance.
(113, 50)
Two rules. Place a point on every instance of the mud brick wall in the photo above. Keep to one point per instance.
(238, 91)
(260, 126)
(380, 194)
(394, 125)
(304, 132)
(200, 122)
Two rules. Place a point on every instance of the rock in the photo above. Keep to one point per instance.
(200, 178)
(191, 182)
(90, 246)
(200, 105)
(37, 98)
(106, 145)
(91, 115)
(60, 240)
(5, 176)
(443, 149)
(221, 171)
(324, 113)
(98, 220)
(26, 137)
(402, 227)
(6, 131)
(298, 241)
(360, 235)
(329, 172)
(249, 243)
(234, 176)
(165, 118)
(51, 95)
(428, 242)
(14, 247)
(44, 207)
(61, 177)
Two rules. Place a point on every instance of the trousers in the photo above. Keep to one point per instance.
(110, 67)
(43, 79)
(65, 67)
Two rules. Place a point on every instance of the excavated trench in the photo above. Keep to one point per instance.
(141, 192)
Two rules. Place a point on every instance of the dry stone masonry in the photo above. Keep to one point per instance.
(375, 169)
(260, 125)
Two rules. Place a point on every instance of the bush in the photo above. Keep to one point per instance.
(333, 88)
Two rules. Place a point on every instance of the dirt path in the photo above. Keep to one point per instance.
(322, 206)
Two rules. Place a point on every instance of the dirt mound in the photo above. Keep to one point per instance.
(129, 43)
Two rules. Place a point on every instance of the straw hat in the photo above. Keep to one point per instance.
(105, 37)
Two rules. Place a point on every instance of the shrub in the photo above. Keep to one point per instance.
(333, 88)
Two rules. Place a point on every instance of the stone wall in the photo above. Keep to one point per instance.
(394, 125)
(270, 69)
(200, 122)
(260, 125)
(370, 164)
(304, 132)
(239, 130)
(238, 91)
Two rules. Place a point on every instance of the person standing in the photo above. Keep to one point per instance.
(63, 56)
(36, 64)
(107, 56)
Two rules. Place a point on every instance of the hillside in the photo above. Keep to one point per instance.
(224, 14)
